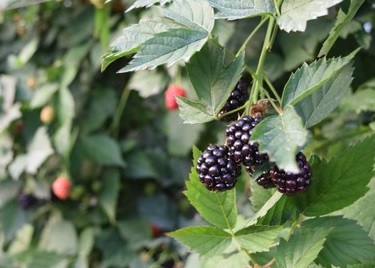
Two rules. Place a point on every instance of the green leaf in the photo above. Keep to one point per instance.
(205, 240)
(309, 78)
(257, 238)
(86, 241)
(362, 212)
(43, 259)
(270, 204)
(193, 112)
(212, 79)
(193, 14)
(65, 106)
(167, 48)
(137, 232)
(281, 136)
(43, 95)
(235, 259)
(363, 99)
(8, 190)
(109, 193)
(317, 106)
(259, 195)
(22, 240)
(347, 243)
(295, 13)
(218, 208)
(340, 182)
(341, 21)
(12, 219)
(302, 248)
(238, 9)
(59, 236)
(148, 83)
(103, 150)
(146, 3)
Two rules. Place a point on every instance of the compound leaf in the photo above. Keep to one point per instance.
(281, 136)
(238, 9)
(296, 13)
(218, 208)
(205, 240)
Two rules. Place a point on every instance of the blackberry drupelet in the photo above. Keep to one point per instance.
(26, 201)
(243, 150)
(217, 169)
(237, 98)
(265, 181)
(290, 183)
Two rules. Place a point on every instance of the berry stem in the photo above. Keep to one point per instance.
(272, 88)
(120, 110)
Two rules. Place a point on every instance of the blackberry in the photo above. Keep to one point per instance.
(217, 169)
(292, 183)
(237, 98)
(243, 150)
(26, 201)
(265, 181)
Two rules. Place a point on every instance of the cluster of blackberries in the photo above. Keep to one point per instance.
(219, 166)
(237, 98)
(25, 200)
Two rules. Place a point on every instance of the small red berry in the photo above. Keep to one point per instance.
(61, 187)
(155, 230)
(170, 95)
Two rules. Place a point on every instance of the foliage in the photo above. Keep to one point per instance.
(103, 67)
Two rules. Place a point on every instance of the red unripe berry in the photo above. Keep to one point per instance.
(61, 187)
(170, 95)
(155, 230)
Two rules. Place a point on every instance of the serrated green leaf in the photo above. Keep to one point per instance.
(238, 9)
(266, 207)
(103, 150)
(218, 208)
(295, 13)
(194, 14)
(212, 79)
(236, 259)
(349, 169)
(193, 112)
(362, 212)
(145, 3)
(317, 106)
(309, 78)
(259, 195)
(257, 238)
(167, 48)
(347, 243)
(109, 193)
(341, 21)
(205, 240)
(281, 136)
(302, 248)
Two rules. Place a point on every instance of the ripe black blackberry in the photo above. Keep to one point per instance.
(217, 169)
(243, 150)
(26, 201)
(265, 181)
(237, 98)
(292, 183)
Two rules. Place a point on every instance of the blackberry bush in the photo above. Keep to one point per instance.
(287, 182)
(243, 150)
(217, 169)
(237, 98)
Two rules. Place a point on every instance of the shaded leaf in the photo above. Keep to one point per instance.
(349, 169)
(347, 243)
(257, 238)
(103, 150)
(268, 205)
(43, 259)
(309, 78)
(22, 240)
(12, 219)
(236, 259)
(218, 208)
(43, 95)
(324, 100)
(302, 248)
(8, 190)
(296, 13)
(148, 83)
(193, 112)
(341, 21)
(109, 193)
(281, 137)
(238, 9)
(205, 240)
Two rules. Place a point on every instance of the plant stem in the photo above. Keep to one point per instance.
(242, 48)
(274, 92)
(267, 44)
(120, 110)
